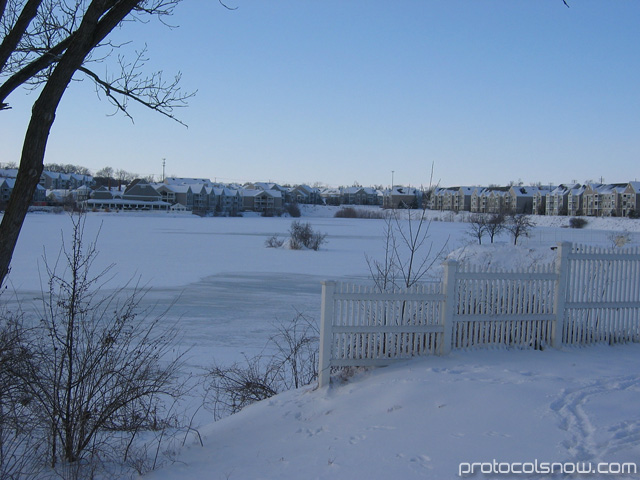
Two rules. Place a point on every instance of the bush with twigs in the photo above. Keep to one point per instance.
(294, 364)
(577, 222)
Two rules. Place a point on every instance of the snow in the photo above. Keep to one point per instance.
(419, 419)
(426, 417)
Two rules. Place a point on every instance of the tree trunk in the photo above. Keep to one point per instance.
(31, 166)
(91, 31)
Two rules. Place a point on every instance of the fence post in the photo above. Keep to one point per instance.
(326, 335)
(562, 271)
(446, 315)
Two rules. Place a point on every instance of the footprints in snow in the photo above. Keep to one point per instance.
(587, 442)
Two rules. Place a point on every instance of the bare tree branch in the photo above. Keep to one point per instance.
(226, 6)
(11, 40)
(152, 92)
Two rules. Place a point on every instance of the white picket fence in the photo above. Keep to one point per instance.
(589, 295)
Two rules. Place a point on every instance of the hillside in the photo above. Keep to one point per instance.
(429, 418)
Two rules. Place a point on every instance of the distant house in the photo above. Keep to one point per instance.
(82, 193)
(519, 199)
(200, 197)
(400, 197)
(462, 199)
(359, 196)
(8, 172)
(630, 199)
(39, 196)
(575, 200)
(68, 197)
(6, 189)
(557, 199)
(478, 200)
(139, 195)
(305, 194)
(176, 193)
(330, 196)
(444, 198)
(187, 181)
(225, 201)
(104, 193)
(262, 201)
(64, 181)
(603, 200)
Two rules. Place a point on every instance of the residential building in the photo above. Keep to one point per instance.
(359, 196)
(305, 194)
(630, 199)
(268, 202)
(6, 189)
(575, 200)
(400, 197)
(603, 200)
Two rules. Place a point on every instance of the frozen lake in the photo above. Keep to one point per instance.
(225, 289)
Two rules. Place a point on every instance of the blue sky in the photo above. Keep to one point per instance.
(293, 91)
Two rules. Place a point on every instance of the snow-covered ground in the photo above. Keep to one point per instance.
(422, 419)
(429, 418)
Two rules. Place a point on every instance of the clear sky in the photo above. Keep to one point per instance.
(339, 91)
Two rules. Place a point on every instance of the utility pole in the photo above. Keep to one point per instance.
(392, 172)
(164, 162)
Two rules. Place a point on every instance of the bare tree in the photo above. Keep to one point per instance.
(477, 226)
(106, 172)
(68, 168)
(409, 255)
(46, 44)
(494, 225)
(519, 225)
(98, 368)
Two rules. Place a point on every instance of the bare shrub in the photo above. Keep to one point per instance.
(302, 235)
(20, 449)
(294, 363)
(274, 242)
(408, 255)
(293, 210)
(619, 239)
(577, 222)
(346, 212)
(350, 212)
(99, 369)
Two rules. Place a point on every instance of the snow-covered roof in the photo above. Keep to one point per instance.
(186, 181)
(248, 192)
(126, 202)
(8, 172)
(228, 192)
(175, 188)
(466, 190)
(635, 186)
(400, 190)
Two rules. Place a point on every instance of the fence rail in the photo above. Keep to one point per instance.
(588, 295)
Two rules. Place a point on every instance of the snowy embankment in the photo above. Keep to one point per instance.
(429, 418)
